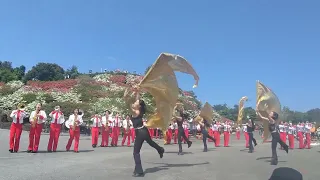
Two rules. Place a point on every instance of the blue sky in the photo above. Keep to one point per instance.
(231, 44)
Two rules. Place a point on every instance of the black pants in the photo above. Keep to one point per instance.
(275, 140)
(251, 139)
(183, 135)
(141, 136)
(206, 135)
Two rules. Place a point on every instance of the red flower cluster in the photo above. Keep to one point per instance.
(186, 93)
(118, 79)
(62, 85)
(100, 83)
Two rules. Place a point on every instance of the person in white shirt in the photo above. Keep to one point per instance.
(168, 138)
(126, 124)
(116, 130)
(246, 135)
(73, 123)
(95, 127)
(227, 131)
(238, 132)
(299, 130)
(291, 131)
(16, 128)
(57, 118)
(216, 132)
(37, 118)
(106, 126)
(307, 131)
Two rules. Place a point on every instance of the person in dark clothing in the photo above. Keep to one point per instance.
(204, 125)
(272, 119)
(180, 119)
(138, 109)
(250, 129)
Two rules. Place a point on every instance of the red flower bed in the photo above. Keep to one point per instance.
(100, 83)
(117, 79)
(63, 85)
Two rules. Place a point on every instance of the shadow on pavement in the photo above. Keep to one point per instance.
(267, 159)
(166, 166)
(175, 152)
(41, 152)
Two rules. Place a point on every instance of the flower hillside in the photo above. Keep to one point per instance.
(92, 93)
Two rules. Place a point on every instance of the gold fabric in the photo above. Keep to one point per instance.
(241, 109)
(267, 101)
(207, 112)
(161, 82)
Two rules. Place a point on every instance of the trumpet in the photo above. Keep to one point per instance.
(21, 106)
(35, 118)
(75, 122)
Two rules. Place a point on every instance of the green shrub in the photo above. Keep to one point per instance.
(6, 90)
(29, 97)
(48, 98)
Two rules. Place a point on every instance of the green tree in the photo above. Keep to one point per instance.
(73, 72)
(45, 72)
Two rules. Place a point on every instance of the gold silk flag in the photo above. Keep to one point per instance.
(161, 82)
(267, 101)
(241, 109)
(207, 112)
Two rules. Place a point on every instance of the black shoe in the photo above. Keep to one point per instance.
(29, 151)
(34, 151)
(94, 146)
(102, 146)
(274, 162)
(250, 151)
(161, 152)
(11, 150)
(76, 151)
(189, 144)
(205, 150)
(180, 153)
(49, 151)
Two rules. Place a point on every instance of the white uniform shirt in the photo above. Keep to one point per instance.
(244, 128)
(72, 119)
(227, 128)
(281, 128)
(15, 114)
(291, 130)
(57, 116)
(106, 121)
(185, 126)
(299, 128)
(96, 122)
(175, 126)
(126, 124)
(42, 114)
(237, 129)
(198, 127)
(307, 128)
(116, 121)
(215, 127)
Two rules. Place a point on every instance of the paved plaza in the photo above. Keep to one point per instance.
(231, 163)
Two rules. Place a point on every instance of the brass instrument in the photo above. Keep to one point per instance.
(75, 122)
(35, 119)
(21, 106)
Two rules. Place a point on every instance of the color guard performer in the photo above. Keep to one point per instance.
(95, 128)
(227, 131)
(106, 126)
(57, 118)
(291, 131)
(126, 124)
(73, 123)
(272, 118)
(37, 118)
(16, 128)
(204, 125)
(116, 130)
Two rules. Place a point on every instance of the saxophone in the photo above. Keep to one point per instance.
(75, 122)
(35, 119)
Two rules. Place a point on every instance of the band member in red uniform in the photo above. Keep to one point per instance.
(95, 127)
(151, 131)
(16, 128)
(246, 136)
(307, 131)
(169, 134)
(300, 128)
(73, 123)
(291, 131)
(57, 118)
(227, 131)
(126, 124)
(37, 118)
(216, 131)
(116, 130)
(106, 123)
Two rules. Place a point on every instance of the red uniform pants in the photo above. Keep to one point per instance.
(246, 137)
(115, 135)
(217, 137)
(291, 141)
(308, 140)
(210, 134)
(300, 137)
(133, 134)
(105, 137)
(74, 134)
(175, 136)
(238, 135)
(186, 132)
(94, 135)
(226, 138)
(151, 132)
(127, 134)
(169, 136)
(54, 136)
(34, 137)
(15, 134)
(157, 133)
(283, 137)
